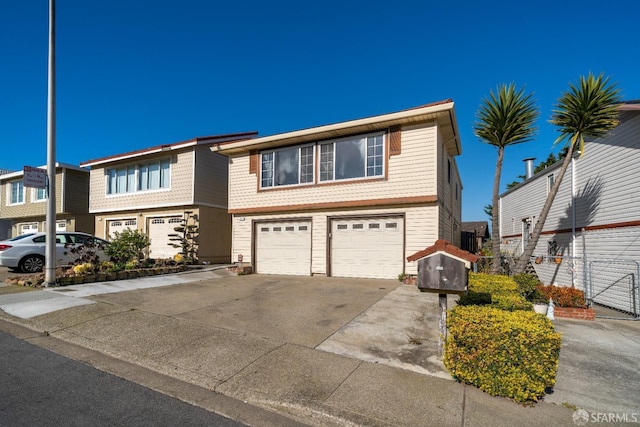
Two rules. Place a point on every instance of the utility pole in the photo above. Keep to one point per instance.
(50, 251)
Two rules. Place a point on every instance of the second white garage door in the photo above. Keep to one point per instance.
(367, 247)
(159, 230)
(283, 248)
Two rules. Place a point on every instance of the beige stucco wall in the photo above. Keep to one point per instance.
(214, 225)
(215, 236)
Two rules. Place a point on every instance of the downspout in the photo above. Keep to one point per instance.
(573, 221)
(64, 180)
(500, 219)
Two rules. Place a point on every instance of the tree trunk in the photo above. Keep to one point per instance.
(495, 215)
(537, 230)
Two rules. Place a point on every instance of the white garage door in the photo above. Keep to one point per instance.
(159, 230)
(283, 248)
(119, 226)
(367, 247)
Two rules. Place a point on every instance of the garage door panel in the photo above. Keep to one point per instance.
(283, 248)
(159, 230)
(119, 226)
(368, 247)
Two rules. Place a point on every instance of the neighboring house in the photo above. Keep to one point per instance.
(26, 208)
(591, 238)
(474, 235)
(154, 189)
(352, 199)
(5, 224)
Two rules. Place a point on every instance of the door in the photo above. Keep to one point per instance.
(367, 247)
(119, 225)
(159, 230)
(283, 247)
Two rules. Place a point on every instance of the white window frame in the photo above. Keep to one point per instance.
(133, 179)
(551, 179)
(164, 175)
(268, 166)
(36, 192)
(19, 193)
(113, 175)
(328, 161)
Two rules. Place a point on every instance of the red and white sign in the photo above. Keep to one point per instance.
(35, 177)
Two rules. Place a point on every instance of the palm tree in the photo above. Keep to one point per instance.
(504, 118)
(588, 109)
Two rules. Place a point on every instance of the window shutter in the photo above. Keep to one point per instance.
(394, 140)
(253, 161)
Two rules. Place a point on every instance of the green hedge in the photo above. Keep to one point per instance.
(498, 291)
(505, 353)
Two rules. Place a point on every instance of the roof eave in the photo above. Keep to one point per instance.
(206, 140)
(441, 112)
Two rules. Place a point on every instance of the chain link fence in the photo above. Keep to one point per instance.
(612, 284)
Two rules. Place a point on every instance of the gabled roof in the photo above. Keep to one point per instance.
(481, 228)
(446, 247)
(441, 111)
(203, 140)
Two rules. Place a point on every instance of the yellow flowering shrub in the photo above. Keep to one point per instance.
(505, 353)
(85, 268)
(498, 291)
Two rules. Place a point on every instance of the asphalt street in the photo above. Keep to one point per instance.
(41, 388)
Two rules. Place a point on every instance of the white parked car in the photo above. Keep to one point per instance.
(26, 253)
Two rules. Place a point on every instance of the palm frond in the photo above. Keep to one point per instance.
(506, 117)
(587, 109)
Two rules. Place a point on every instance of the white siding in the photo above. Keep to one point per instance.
(606, 197)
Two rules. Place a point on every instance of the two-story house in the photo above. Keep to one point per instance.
(26, 207)
(351, 199)
(153, 190)
(591, 238)
(5, 224)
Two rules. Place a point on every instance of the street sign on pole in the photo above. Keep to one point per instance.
(35, 177)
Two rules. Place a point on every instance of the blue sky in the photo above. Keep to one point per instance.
(134, 74)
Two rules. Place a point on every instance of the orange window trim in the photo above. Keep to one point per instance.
(395, 137)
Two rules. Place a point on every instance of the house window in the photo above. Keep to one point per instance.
(39, 194)
(352, 158)
(121, 180)
(552, 250)
(448, 170)
(526, 232)
(287, 166)
(551, 179)
(154, 175)
(17, 193)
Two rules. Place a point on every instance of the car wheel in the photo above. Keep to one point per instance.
(32, 264)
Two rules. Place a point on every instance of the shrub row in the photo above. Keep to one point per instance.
(563, 296)
(505, 353)
(499, 291)
(498, 343)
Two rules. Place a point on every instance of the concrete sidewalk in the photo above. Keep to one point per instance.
(319, 351)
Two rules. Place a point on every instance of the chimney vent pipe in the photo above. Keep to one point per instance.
(528, 167)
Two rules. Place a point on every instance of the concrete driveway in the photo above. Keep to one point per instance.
(375, 320)
(256, 337)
